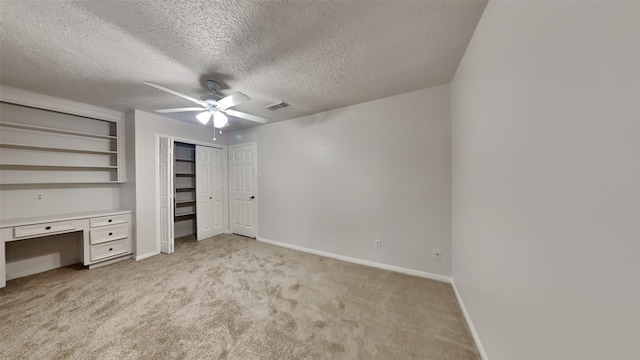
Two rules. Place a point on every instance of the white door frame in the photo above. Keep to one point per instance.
(255, 172)
(225, 179)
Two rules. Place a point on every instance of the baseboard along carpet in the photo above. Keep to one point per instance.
(230, 297)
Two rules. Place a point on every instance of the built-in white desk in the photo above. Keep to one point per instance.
(106, 235)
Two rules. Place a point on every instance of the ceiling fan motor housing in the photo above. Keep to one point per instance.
(213, 85)
(208, 97)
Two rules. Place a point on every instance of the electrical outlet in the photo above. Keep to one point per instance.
(436, 255)
(377, 244)
(39, 197)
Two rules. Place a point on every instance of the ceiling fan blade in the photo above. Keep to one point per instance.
(232, 100)
(166, 111)
(166, 89)
(246, 116)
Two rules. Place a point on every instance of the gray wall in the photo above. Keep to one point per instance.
(338, 180)
(546, 174)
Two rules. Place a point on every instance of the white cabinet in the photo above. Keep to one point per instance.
(46, 147)
(109, 238)
(106, 235)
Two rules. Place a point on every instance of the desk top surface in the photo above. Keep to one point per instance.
(4, 223)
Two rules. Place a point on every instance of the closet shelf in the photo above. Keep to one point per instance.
(54, 130)
(54, 148)
(185, 202)
(184, 216)
(183, 189)
(185, 160)
(185, 174)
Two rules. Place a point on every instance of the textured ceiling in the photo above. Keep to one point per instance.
(316, 56)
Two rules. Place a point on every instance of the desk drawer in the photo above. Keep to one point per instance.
(109, 249)
(111, 233)
(43, 229)
(108, 220)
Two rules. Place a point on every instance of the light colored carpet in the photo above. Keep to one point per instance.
(230, 297)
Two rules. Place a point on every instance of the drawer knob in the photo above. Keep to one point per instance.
(110, 234)
(110, 249)
(110, 220)
(48, 228)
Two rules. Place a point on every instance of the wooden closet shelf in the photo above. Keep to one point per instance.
(184, 216)
(182, 189)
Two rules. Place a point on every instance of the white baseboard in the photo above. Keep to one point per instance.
(472, 328)
(147, 255)
(398, 269)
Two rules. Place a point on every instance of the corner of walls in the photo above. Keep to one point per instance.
(128, 189)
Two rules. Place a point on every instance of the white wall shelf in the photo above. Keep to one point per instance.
(55, 167)
(57, 131)
(53, 148)
(47, 147)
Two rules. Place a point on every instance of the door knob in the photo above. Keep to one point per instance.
(251, 198)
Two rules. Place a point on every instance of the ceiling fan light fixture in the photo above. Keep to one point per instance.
(220, 120)
(204, 117)
(211, 106)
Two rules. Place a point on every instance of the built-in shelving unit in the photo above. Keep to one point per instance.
(184, 167)
(47, 147)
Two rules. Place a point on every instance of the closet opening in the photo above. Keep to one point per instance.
(191, 192)
(184, 181)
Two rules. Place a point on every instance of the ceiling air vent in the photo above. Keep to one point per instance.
(277, 105)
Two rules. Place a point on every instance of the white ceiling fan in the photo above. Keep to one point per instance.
(212, 106)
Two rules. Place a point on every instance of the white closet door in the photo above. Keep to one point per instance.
(165, 194)
(209, 195)
(204, 197)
